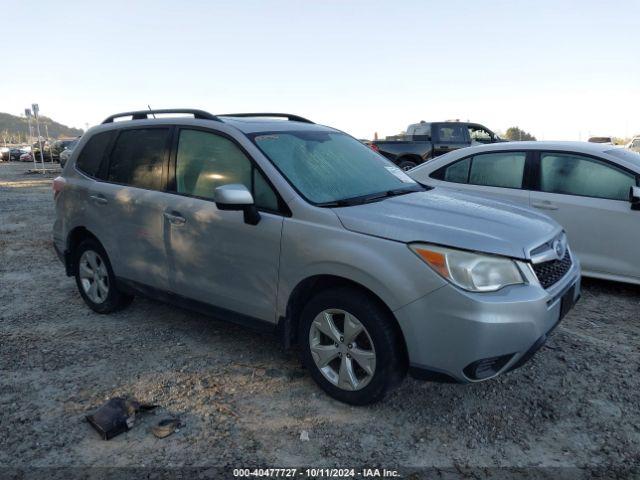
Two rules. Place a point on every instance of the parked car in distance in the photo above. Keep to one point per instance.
(58, 146)
(592, 190)
(634, 144)
(46, 151)
(603, 140)
(271, 222)
(26, 157)
(12, 154)
(67, 151)
(426, 140)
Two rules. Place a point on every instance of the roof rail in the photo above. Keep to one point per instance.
(288, 116)
(144, 114)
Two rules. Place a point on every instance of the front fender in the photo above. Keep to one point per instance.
(387, 268)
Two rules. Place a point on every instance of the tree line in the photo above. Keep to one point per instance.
(15, 129)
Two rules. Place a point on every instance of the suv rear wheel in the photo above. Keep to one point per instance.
(350, 346)
(95, 279)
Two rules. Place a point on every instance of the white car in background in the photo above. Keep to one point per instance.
(591, 189)
(634, 144)
(602, 140)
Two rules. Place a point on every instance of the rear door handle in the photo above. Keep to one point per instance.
(544, 205)
(99, 199)
(175, 218)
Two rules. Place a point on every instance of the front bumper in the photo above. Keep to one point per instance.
(454, 335)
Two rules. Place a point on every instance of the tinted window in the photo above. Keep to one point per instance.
(456, 172)
(206, 161)
(138, 157)
(498, 169)
(328, 166)
(422, 130)
(452, 133)
(578, 175)
(94, 152)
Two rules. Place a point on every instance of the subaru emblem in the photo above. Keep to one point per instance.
(560, 248)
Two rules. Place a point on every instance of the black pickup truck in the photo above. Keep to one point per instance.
(426, 140)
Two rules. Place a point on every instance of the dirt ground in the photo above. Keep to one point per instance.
(245, 402)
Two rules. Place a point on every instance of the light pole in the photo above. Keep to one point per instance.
(46, 132)
(27, 112)
(36, 110)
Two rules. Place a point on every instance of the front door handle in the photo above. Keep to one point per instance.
(99, 199)
(175, 218)
(544, 205)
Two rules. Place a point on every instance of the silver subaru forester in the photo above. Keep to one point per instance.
(275, 222)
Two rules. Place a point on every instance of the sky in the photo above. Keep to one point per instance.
(562, 70)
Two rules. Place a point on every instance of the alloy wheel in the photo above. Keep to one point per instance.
(94, 277)
(342, 349)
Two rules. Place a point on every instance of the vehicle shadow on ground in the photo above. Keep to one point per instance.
(608, 287)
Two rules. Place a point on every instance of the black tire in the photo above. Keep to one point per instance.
(407, 165)
(391, 365)
(115, 299)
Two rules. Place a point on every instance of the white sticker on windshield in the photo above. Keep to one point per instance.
(400, 175)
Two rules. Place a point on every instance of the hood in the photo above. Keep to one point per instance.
(453, 219)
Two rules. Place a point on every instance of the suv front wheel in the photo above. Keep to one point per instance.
(95, 279)
(350, 346)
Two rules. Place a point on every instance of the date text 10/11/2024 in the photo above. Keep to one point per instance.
(316, 472)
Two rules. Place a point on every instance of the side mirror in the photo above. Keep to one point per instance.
(634, 198)
(237, 197)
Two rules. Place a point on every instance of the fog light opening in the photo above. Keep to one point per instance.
(486, 367)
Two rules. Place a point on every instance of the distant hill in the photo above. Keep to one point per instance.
(15, 128)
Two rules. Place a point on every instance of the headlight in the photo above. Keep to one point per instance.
(475, 272)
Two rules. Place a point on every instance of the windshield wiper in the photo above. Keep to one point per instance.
(336, 203)
(372, 197)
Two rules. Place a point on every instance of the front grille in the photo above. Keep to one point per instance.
(549, 273)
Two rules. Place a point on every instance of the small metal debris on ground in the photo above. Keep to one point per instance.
(166, 427)
(304, 436)
(116, 416)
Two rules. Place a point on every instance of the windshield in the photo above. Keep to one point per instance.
(328, 167)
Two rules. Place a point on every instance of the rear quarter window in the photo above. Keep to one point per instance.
(94, 153)
(457, 172)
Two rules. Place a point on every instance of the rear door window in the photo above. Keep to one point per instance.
(138, 158)
(503, 170)
(94, 154)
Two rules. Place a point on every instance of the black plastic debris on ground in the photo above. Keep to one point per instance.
(116, 416)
